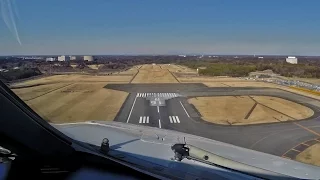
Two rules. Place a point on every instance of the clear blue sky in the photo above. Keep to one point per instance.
(164, 27)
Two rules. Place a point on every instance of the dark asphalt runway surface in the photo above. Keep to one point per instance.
(179, 115)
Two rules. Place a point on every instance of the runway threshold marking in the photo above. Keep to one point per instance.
(184, 109)
(174, 119)
(134, 102)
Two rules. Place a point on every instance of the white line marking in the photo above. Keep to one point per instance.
(184, 109)
(144, 119)
(174, 119)
(134, 102)
(178, 120)
(147, 119)
(170, 119)
(158, 108)
(140, 120)
(159, 124)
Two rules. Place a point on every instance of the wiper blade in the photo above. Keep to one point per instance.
(193, 153)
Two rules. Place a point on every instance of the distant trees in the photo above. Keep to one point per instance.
(243, 68)
(227, 70)
(15, 74)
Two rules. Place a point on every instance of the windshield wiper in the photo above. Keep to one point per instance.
(193, 153)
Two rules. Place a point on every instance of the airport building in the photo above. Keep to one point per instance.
(73, 58)
(292, 60)
(50, 59)
(63, 58)
(87, 58)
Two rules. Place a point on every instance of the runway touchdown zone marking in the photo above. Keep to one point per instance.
(144, 120)
(174, 119)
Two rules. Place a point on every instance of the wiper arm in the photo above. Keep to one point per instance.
(193, 153)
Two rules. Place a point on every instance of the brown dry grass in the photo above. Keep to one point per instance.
(232, 110)
(215, 84)
(289, 108)
(153, 74)
(78, 102)
(178, 68)
(75, 78)
(95, 66)
(32, 92)
(204, 79)
(132, 71)
(311, 155)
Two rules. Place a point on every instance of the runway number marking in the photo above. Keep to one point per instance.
(174, 119)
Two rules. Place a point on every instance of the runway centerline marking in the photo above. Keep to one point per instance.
(184, 109)
(134, 102)
(158, 108)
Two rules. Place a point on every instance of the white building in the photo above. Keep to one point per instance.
(50, 59)
(63, 58)
(72, 58)
(292, 60)
(87, 58)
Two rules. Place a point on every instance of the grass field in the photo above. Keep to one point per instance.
(75, 102)
(204, 79)
(154, 74)
(72, 78)
(235, 110)
(311, 155)
(177, 68)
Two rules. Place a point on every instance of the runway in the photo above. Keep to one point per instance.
(165, 106)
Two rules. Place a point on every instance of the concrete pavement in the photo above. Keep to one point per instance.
(177, 114)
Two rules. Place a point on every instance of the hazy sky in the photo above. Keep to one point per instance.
(163, 27)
